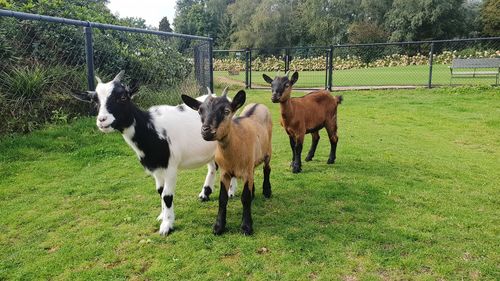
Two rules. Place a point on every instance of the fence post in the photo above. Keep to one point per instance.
(89, 51)
(327, 60)
(431, 59)
(330, 69)
(211, 64)
(247, 68)
(287, 60)
(250, 69)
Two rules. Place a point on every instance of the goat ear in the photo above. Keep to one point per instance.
(99, 81)
(191, 102)
(267, 78)
(295, 77)
(238, 100)
(134, 88)
(88, 96)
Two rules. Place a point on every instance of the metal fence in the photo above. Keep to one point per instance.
(403, 64)
(45, 55)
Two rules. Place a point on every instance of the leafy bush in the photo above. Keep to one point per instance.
(25, 115)
(41, 62)
(348, 62)
(25, 82)
(31, 96)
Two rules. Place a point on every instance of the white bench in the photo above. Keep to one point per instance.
(493, 64)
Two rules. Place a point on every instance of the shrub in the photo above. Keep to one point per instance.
(25, 82)
(350, 61)
(31, 96)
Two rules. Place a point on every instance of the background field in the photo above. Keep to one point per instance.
(413, 195)
(413, 75)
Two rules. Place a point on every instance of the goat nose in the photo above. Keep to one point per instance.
(205, 128)
(102, 119)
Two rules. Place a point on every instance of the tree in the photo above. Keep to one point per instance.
(328, 20)
(366, 32)
(241, 12)
(191, 19)
(374, 11)
(165, 25)
(426, 20)
(490, 17)
(226, 29)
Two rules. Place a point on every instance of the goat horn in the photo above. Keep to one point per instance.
(224, 93)
(119, 76)
(99, 81)
(287, 73)
(209, 92)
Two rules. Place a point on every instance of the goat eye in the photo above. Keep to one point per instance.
(287, 85)
(123, 98)
(227, 111)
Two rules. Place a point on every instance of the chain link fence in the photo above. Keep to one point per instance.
(230, 68)
(383, 65)
(42, 59)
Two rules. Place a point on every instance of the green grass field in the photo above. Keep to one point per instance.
(414, 195)
(414, 75)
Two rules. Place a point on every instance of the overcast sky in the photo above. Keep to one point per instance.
(150, 10)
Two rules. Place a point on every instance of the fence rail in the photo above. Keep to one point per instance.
(395, 64)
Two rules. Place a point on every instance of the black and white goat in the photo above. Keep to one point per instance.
(165, 138)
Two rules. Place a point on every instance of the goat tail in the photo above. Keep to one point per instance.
(339, 99)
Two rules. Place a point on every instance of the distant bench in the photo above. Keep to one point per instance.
(475, 64)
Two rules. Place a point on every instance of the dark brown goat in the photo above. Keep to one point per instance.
(303, 115)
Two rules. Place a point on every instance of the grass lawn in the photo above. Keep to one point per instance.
(414, 75)
(414, 195)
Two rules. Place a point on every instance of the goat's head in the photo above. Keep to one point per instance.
(114, 103)
(216, 113)
(281, 86)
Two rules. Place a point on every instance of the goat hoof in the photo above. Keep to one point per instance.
(330, 161)
(296, 169)
(166, 228)
(267, 193)
(205, 194)
(246, 229)
(218, 228)
(308, 158)
(231, 192)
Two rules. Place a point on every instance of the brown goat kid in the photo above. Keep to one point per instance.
(303, 115)
(243, 143)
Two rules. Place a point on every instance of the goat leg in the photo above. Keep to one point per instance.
(246, 201)
(314, 145)
(266, 186)
(220, 222)
(297, 164)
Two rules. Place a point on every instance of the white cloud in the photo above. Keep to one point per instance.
(150, 10)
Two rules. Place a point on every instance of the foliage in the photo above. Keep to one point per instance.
(490, 17)
(164, 25)
(425, 20)
(32, 95)
(283, 23)
(25, 82)
(43, 61)
(366, 32)
(318, 63)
